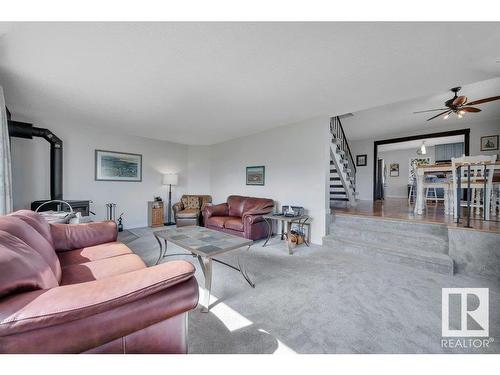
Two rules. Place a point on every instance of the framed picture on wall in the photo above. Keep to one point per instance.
(489, 143)
(117, 166)
(394, 170)
(361, 160)
(256, 175)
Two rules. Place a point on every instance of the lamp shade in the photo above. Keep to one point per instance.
(170, 179)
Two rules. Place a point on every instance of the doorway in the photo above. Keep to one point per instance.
(382, 172)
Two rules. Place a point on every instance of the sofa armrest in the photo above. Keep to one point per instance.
(254, 216)
(179, 206)
(216, 210)
(73, 304)
(76, 236)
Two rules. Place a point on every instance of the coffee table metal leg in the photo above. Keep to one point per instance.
(206, 267)
(161, 249)
(270, 233)
(244, 271)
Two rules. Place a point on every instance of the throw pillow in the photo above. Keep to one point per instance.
(184, 201)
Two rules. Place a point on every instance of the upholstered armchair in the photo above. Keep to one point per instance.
(188, 210)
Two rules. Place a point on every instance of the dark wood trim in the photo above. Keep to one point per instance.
(464, 132)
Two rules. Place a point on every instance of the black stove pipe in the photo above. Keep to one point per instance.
(25, 130)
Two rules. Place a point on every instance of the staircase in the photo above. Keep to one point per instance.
(417, 245)
(342, 167)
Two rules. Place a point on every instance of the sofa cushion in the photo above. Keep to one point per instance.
(236, 205)
(21, 267)
(36, 221)
(217, 221)
(25, 232)
(234, 223)
(92, 253)
(100, 269)
(188, 213)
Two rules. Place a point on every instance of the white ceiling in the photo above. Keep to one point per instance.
(398, 117)
(408, 145)
(203, 83)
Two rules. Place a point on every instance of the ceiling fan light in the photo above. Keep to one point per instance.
(445, 117)
(460, 115)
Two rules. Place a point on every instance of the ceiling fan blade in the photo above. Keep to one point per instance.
(469, 109)
(485, 100)
(460, 101)
(431, 110)
(442, 113)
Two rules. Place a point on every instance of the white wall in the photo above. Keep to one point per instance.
(397, 187)
(31, 170)
(364, 175)
(296, 158)
(198, 170)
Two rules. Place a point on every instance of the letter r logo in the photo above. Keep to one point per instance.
(465, 312)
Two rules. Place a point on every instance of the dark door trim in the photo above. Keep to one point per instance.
(464, 132)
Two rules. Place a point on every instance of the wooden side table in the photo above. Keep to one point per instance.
(302, 220)
(155, 214)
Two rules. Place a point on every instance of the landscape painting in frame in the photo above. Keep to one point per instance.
(117, 166)
(256, 175)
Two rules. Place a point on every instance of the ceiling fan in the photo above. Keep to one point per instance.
(458, 105)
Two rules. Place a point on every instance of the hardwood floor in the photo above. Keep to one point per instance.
(398, 208)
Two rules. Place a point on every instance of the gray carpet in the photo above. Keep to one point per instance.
(321, 301)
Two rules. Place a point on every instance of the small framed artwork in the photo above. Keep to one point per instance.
(361, 160)
(489, 143)
(394, 170)
(256, 175)
(117, 166)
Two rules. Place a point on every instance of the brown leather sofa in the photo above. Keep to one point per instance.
(74, 289)
(241, 216)
(188, 210)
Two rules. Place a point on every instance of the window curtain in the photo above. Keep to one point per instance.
(5, 165)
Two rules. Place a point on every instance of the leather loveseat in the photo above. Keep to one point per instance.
(241, 216)
(74, 289)
(188, 210)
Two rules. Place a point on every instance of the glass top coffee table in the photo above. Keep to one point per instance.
(205, 243)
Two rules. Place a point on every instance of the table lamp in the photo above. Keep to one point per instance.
(170, 179)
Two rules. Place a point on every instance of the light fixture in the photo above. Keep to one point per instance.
(460, 114)
(423, 150)
(445, 117)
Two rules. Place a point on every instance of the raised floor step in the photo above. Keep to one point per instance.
(423, 245)
(430, 261)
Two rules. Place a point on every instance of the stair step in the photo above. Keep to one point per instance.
(408, 241)
(435, 262)
(334, 178)
(339, 199)
(338, 193)
(390, 225)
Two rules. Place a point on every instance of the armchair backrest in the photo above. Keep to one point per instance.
(204, 199)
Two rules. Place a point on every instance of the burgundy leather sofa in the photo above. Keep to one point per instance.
(241, 216)
(74, 289)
